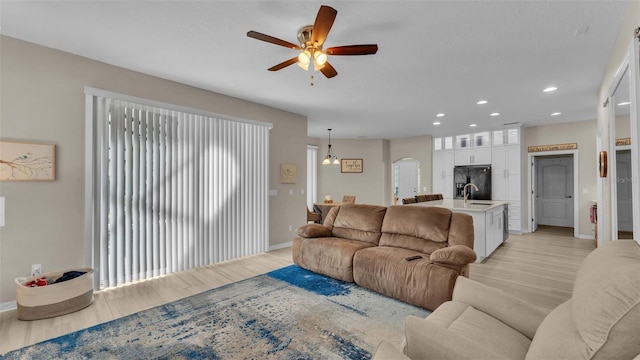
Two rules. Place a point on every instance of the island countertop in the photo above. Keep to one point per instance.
(460, 205)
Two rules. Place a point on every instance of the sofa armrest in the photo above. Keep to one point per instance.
(313, 231)
(427, 340)
(459, 255)
(519, 314)
(386, 351)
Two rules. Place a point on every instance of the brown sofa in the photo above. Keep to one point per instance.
(370, 244)
(601, 320)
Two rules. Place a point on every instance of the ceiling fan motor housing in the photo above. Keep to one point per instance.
(304, 36)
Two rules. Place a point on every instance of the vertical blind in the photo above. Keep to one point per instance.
(174, 190)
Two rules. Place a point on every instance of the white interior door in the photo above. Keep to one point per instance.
(623, 182)
(406, 178)
(554, 191)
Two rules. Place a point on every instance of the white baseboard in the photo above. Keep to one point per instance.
(280, 246)
(8, 306)
(586, 237)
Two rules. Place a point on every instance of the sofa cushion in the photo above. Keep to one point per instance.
(557, 337)
(418, 282)
(360, 222)
(327, 255)
(480, 328)
(606, 300)
(423, 229)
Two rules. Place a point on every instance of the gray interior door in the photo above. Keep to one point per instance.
(554, 191)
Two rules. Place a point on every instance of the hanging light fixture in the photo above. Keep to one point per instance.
(330, 158)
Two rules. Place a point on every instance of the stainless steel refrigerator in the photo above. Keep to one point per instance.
(479, 175)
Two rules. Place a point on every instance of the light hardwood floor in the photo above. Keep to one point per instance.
(539, 268)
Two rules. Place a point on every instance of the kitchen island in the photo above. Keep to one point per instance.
(489, 221)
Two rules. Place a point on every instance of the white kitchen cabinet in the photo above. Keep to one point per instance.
(473, 149)
(443, 173)
(494, 229)
(506, 181)
(473, 156)
(488, 229)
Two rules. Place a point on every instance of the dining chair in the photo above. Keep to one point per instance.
(349, 199)
(313, 216)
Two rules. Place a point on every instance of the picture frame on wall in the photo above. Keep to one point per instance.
(351, 165)
(27, 161)
(288, 173)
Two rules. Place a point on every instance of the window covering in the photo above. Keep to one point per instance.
(173, 190)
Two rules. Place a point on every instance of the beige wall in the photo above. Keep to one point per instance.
(375, 184)
(368, 186)
(625, 35)
(583, 133)
(42, 100)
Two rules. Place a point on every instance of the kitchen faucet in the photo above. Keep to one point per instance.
(464, 191)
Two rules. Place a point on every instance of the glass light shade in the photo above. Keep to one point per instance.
(320, 58)
(326, 161)
(336, 161)
(305, 67)
(304, 57)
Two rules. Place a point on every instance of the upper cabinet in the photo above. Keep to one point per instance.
(506, 137)
(477, 140)
(443, 143)
(473, 149)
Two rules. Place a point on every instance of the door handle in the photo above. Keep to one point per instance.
(568, 197)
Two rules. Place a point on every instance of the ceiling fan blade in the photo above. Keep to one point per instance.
(328, 71)
(322, 25)
(284, 64)
(270, 39)
(368, 49)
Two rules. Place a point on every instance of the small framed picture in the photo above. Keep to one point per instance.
(351, 165)
(27, 162)
(288, 173)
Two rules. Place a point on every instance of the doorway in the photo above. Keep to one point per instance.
(553, 186)
(406, 178)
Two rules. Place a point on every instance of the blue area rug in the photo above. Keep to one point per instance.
(290, 313)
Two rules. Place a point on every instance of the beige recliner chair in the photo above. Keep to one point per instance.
(600, 321)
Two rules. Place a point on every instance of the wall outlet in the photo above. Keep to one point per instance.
(36, 269)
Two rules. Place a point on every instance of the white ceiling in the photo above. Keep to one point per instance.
(434, 56)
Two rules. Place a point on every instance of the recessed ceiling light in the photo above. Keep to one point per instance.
(473, 125)
(436, 123)
(482, 102)
(550, 89)
(556, 113)
(440, 115)
(624, 103)
(494, 114)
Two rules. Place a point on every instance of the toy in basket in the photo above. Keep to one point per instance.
(40, 299)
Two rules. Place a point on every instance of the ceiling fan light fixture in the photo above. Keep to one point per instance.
(320, 58)
(304, 57)
(304, 67)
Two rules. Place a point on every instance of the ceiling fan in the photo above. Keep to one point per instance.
(311, 38)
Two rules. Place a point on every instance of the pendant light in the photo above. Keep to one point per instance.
(330, 158)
